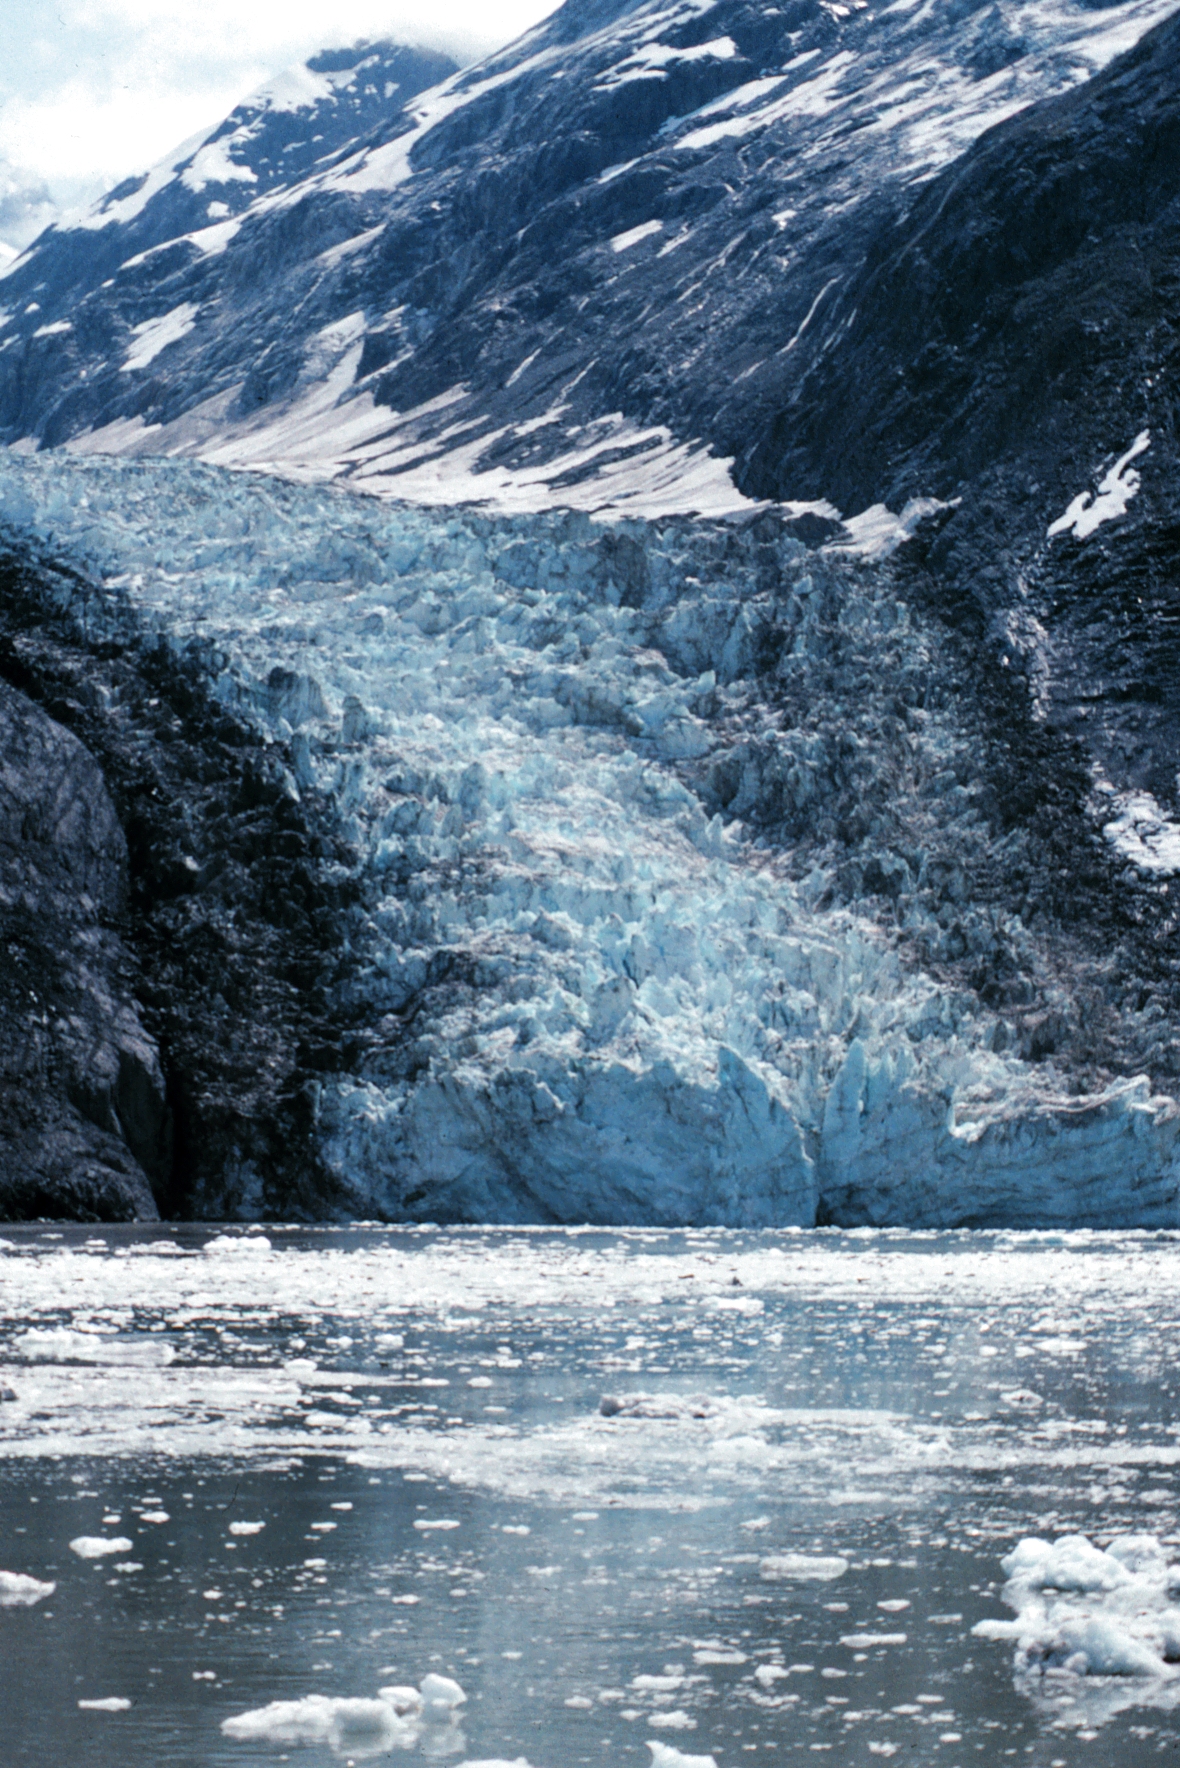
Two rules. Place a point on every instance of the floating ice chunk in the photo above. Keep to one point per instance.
(865, 1641)
(657, 1406)
(1070, 1563)
(666, 1755)
(359, 1725)
(1115, 491)
(426, 1524)
(1023, 1399)
(676, 1720)
(440, 1696)
(61, 1344)
(155, 1516)
(99, 1546)
(19, 1591)
(766, 1675)
(1084, 1613)
(496, 1762)
(656, 1684)
(803, 1567)
(246, 1528)
(402, 1698)
(112, 1703)
(234, 1245)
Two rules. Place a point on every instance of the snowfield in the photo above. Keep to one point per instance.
(594, 999)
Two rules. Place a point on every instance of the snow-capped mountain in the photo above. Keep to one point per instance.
(591, 267)
(758, 800)
(26, 209)
(297, 124)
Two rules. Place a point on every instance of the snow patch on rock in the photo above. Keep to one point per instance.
(154, 335)
(1143, 833)
(1090, 509)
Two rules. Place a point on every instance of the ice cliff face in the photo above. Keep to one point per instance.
(582, 985)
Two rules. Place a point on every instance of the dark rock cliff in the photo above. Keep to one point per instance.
(170, 916)
(83, 1118)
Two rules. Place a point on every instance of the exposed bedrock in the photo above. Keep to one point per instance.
(1009, 343)
(83, 1118)
(526, 869)
(169, 915)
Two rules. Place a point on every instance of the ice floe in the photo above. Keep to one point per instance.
(665, 1755)
(397, 1718)
(803, 1567)
(60, 1344)
(99, 1546)
(18, 1590)
(1086, 1617)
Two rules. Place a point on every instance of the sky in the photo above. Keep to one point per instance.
(91, 90)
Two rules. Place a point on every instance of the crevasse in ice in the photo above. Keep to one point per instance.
(597, 1002)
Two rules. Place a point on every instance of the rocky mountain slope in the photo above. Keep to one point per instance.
(708, 854)
(594, 265)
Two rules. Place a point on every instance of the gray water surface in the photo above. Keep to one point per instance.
(774, 1539)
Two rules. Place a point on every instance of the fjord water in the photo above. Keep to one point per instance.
(773, 1540)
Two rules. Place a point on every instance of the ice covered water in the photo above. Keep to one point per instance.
(586, 1496)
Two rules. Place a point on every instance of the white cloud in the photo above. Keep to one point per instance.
(91, 90)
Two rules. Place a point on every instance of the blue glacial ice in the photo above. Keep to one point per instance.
(604, 1003)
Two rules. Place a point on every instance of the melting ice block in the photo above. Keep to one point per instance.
(99, 1546)
(19, 1591)
(396, 1719)
(803, 1567)
(1087, 1614)
(666, 1755)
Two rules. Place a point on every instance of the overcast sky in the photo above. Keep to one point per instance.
(91, 90)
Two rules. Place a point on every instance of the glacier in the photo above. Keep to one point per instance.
(591, 995)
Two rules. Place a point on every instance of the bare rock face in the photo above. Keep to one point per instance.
(83, 1118)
